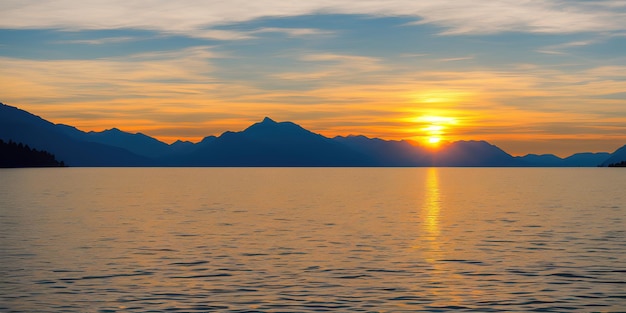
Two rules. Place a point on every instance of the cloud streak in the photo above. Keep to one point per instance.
(197, 18)
(143, 91)
(204, 67)
(99, 41)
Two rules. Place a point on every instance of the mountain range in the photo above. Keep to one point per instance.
(266, 143)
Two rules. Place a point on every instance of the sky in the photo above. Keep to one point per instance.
(530, 76)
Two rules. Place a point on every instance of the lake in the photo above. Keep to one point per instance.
(313, 240)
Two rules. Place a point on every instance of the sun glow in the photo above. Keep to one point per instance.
(435, 128)
(434, 140)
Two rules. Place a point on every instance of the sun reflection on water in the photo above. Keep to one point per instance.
(432, 203)
(431, 212)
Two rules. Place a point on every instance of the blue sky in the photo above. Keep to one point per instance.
(529, 76)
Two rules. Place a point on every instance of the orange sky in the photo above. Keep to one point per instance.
(532, 83)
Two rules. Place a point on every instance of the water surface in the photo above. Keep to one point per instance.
(313, 240)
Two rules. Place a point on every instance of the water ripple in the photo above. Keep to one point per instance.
(394, 240)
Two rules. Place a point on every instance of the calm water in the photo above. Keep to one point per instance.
(312, 240)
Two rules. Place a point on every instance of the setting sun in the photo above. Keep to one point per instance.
(435, 128)
(434, 140)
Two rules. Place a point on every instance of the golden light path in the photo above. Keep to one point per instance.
(431, 208)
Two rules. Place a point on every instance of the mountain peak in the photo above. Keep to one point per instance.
(265, 143)
(268, 120)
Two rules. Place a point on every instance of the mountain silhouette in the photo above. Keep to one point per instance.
(23, 127)
(616, 157)
(269, 143)
(138, 143)
(387, 153)
(472, 153)
(266, 143)
(583, 159)
(541, 160)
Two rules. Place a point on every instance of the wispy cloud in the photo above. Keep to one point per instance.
(559, 48)
(532, 16)
(195, 17)
(159, 91)
(456, 59)
(356, 61)
(413, 55)
(292, 32)
(228, 34)
(219, 34)
(99, 41)
(222, 34)
(333, 67)
(554, 52)
(135, 76)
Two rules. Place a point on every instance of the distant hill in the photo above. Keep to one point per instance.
(616, 157)
(584, 159)
(472, 153)
(19, 155)
(139, 143)
(20, 126)
(269, 143)
(266, 143)
(387, 153)
(540, 160)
